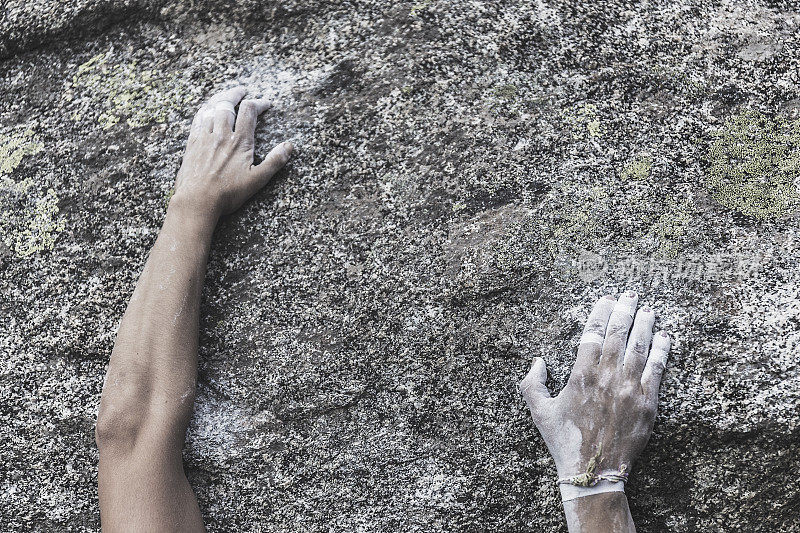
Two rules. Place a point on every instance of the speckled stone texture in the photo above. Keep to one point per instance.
(470, 177)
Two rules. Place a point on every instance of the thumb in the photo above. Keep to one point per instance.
(275, 160)
(533, 386)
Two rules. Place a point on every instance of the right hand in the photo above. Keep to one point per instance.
(217, 174)
(611, 397)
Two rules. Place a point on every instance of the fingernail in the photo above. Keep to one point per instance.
(664, 334)
(646, 310)
(609, 297)
(630, 294)
(287, 148)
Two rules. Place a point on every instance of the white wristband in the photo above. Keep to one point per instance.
(571, 492)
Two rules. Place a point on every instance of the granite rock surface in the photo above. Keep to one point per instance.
(470, 176)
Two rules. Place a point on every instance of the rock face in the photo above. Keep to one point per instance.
(470, 177)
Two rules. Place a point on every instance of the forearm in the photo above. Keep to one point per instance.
(607, 512)
(151, 375)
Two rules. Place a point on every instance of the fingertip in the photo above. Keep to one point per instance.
(233, 94)
(274, 161)
(662, 340)
(287, 149)
(659, 353)
(627, 303)
(259, 105)
(535, 379)
(646, 314)
(535, 370)
(538, 371)
(239, 95)
(262, 104)
(539, 365)
(607, 301)
(605, 304)
(629, 298)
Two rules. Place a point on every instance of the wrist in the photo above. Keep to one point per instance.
(193, 210)
(600, 513)
(573, 492)
(192, 216)
(594, 480)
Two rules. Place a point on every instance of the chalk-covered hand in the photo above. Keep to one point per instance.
(602, 420)
(217, 174)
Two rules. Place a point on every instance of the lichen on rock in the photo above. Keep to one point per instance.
(420, 6)
(633, 202)
(111, 90)
(584, 122)
(14, 147)
(29, 220)
(638, 169)
(754, 165)
(34, 228)
(469, 178)
(672, 227)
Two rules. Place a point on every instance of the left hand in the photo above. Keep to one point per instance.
(217, 174)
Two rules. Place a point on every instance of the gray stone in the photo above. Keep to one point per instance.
(470, 177)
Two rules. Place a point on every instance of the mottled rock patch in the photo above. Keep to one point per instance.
(470, 176)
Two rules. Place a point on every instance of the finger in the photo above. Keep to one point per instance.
(271, 164)
(224, 117)
(226, 100)
(532, 387)
(619, 324)
(233, 95)
(203, 120)
(639, 343)
(656, 363)
(207, 120)
(197, 122)
(594, 332)
(248, 116)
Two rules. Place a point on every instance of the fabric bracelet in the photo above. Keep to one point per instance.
(592, 481)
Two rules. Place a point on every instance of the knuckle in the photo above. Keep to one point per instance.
(595, 325)
(629, 393)
(248, 107)
(639, 347)
(655, 369)
(606, 380)
(532, 399)
(526, 388)
(616, 329)
(584, 377)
